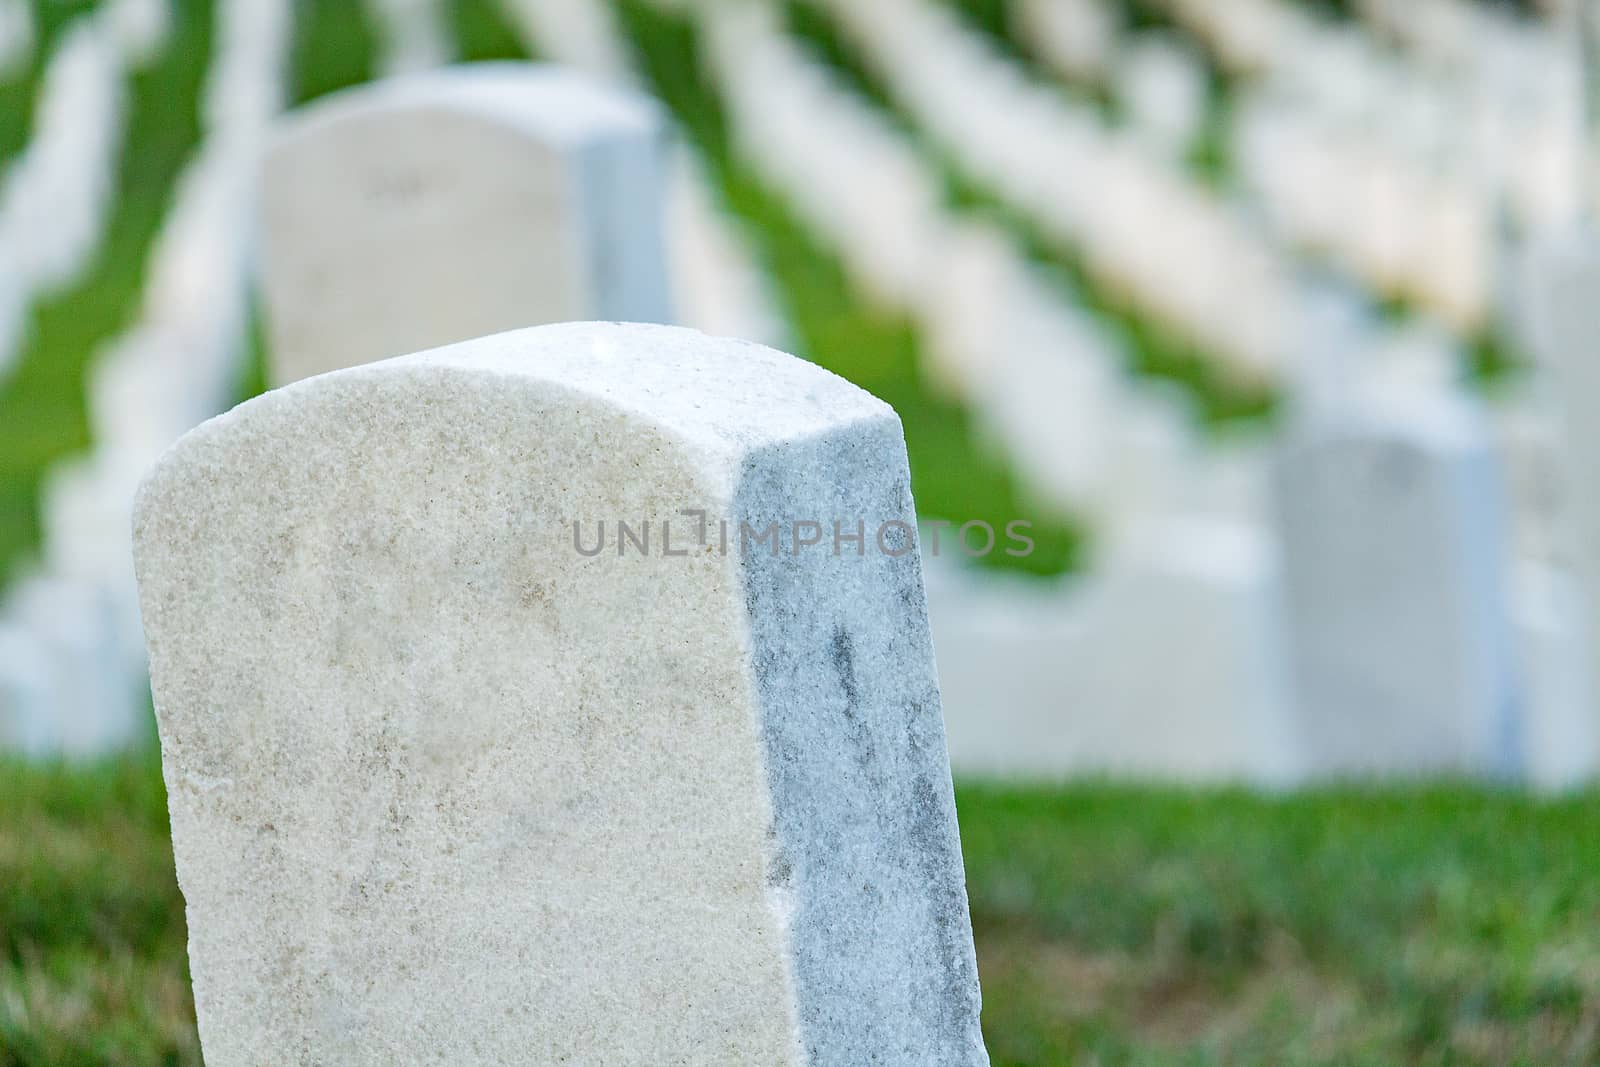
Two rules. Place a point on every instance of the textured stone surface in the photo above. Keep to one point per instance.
(1395, 570)
(437, 207)
(443, 789)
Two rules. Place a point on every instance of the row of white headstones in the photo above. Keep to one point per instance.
(69, 701)
(71, 654)
(1238, 722)
(58, 629)
(1258, 697)
(1240, 707)
(444, 783)
(1235, 713)
(1379, 179)
(56, 196)
(1407, 173)
(893, 247)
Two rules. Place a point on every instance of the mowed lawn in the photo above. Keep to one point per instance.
(1114, 925)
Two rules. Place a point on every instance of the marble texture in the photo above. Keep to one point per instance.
(432, 208)
(445, 789)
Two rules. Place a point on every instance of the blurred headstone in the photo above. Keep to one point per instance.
(1011, 673)
(1560, 731)
(96, 704)
(1561, 315)
(1166, 663)
(1185, 649)
(16, 36)
(1564, 302)
(1075, 38)
(1162, 85)
(436, 207)
(1395, 565)
(445, 786)
(27, 722)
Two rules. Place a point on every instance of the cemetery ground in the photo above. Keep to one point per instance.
(1115, 925)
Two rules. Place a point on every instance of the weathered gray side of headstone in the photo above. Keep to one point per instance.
(1394, 561)
(432, 208)
(444, 788)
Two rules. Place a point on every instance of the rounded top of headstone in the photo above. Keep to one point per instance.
(723, 398)
(713, 390)
(553, 103)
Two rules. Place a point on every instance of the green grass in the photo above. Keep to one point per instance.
(334, 48)
(1114, 925)
(1432, 926)
(92, 959)
(481, 32)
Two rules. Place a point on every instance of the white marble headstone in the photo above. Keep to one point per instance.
(433, 208)
(1393, 542)
(446, 788)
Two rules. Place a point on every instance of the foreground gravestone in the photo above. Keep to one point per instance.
(1395, 566)
(432, 208)
(455, 775)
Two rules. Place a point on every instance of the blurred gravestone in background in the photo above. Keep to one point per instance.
(1396, 573)
(438, 207)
